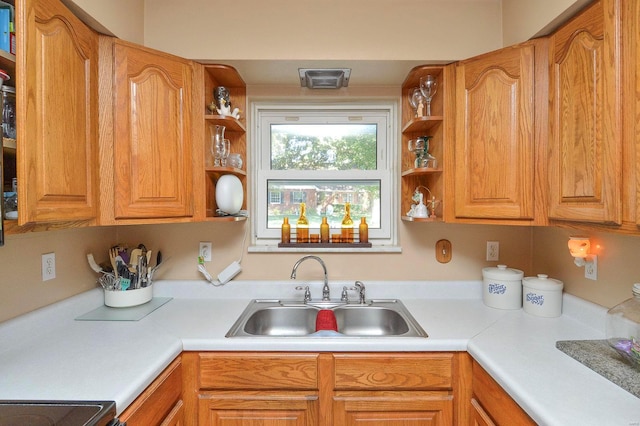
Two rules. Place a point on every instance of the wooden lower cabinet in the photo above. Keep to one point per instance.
(231, 408)
(161, 403)
(393, 389)
(491, 405)
(392, 408)
(325, 389)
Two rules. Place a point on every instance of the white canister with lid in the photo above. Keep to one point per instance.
(502, 287)
(542, 296)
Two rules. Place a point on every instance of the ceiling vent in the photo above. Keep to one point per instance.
(324, 78)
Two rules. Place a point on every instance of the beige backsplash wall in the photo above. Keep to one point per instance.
(534, 250)
(416, 262)
(21, 286)
(618, 263)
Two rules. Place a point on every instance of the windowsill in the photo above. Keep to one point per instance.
(276, 249)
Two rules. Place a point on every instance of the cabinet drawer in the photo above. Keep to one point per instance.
(258, 371)
(397, 371)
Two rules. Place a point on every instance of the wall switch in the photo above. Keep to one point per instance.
(48, 266)
(591, 268)
(493, 251)
(205, 251)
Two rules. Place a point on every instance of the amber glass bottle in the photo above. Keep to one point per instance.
(363, 230)
(347, 225)
(302, 226)
(324, 230)
(286, 231)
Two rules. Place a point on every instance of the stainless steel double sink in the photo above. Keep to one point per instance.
(289, 318)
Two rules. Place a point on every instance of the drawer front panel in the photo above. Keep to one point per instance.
(258, 371)
(398, 371)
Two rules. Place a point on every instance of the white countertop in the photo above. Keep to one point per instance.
(47, 354)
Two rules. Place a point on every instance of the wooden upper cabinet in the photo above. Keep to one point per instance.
(57, 115)
(586, 118)
(495, 135)
(148, 149)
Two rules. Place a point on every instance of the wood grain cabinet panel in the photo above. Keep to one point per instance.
(57, 115)
(326, 389)
(491, 405)
(147, 146)
(496, 140)
(160, 403)
(393, 408)
(393, 371)
(277, 408)
(393, 389)
(585, 117)
(238, 388)
(258, 371)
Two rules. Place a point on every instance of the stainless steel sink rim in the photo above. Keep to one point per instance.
(388, 317)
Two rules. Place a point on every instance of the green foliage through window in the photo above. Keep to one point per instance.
(323, 147)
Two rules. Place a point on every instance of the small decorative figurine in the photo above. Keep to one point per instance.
(226, 110)
(221, 93)
(419, 210)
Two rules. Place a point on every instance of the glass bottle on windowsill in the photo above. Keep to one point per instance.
(347, 225)
(324, 230)
(363, 231)
(302, 226)
(286, 231)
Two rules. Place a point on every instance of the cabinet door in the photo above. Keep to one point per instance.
(160, 403)
(176, 416)
(250, 408)
(494, 143)
(393, 408)
(585, 118)
(152, 140)
(57, 115)
(479, 417)
(490, 404)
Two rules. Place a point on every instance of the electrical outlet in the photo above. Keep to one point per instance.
(48, 266)
(205, 251)
(591, 268)
(493, 251)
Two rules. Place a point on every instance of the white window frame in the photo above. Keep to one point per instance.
(384, 113)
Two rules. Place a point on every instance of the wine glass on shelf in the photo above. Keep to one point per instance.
(217, 143)
(226, 150)
(428, 88)
(416, 100)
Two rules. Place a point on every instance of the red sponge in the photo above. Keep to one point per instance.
(326, 320)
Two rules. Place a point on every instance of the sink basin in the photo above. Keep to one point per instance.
(370, 321)
(281, 321)
(282, 318)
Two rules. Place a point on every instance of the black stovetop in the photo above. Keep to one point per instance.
(57, 413)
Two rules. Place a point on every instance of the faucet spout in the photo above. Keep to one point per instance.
(325, 288)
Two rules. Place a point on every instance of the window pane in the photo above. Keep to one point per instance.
(324, 198)
(323, 146)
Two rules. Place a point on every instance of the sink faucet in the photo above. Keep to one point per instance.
(361, 295)
(325, 288)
